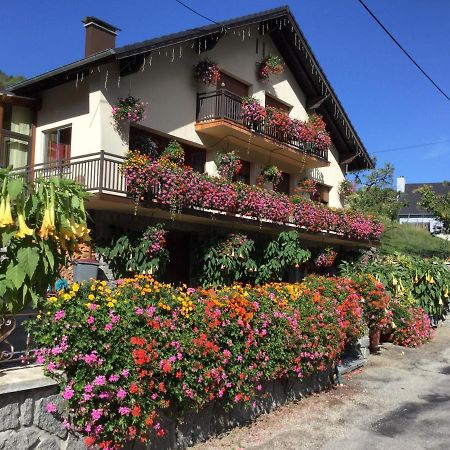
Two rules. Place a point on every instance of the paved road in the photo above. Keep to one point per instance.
(401, 400)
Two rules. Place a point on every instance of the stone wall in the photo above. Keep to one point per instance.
(25, 423)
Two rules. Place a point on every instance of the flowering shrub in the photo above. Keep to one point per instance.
(252, 111)
(207, 72)
(271, 174)
(412, 325)
(228, 165)
(376, 302)
(129, 109)
(180, 186)
(326, 258)
(270, 65)
(123, 355)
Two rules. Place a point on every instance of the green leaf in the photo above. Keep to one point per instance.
(28, 259)
(15, 187)
(15, 274)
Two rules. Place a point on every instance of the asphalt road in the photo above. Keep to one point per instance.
(400, 400)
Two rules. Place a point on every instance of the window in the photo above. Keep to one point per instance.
(322, 194)
(232, 85)
(283, 186)
(15, 143)
(273, 102)
(244, 173)
(58, 144)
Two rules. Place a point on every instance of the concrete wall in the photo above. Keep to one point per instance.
(166, 83)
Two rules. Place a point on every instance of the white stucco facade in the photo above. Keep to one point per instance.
(166, 82)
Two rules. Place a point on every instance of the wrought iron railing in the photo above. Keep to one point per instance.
(97, 172)
(16, 347)
(223, 104)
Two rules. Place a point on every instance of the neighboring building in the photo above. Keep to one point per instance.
(68, 122)
(413, 214)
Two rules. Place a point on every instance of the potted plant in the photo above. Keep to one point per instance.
(326, 258)
(207, 72)
(173, 153)
(228, 165)
(270, 65)
(128, 109)
(270, 174)
(307, 187)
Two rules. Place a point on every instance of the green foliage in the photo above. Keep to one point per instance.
(40, 228)
(412, 241)
(438, 205)
(227, 260)
(412, 280)
(376, 194)
(8, 80)
(279, 255)
(137, 253)
(173, 153)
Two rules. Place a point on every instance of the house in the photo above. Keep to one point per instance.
(60, 122)
(413, 214)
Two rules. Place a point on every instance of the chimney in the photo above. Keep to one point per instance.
(401, 184)
(99, 35)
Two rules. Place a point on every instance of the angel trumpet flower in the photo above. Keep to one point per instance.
(47, 226)
(5, 212)
(24, 230)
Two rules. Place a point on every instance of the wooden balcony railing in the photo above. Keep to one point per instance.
(97, 172)
(223, 104)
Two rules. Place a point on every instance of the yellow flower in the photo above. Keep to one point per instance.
(39, 317)
(52, 299)
(91, 297)
(47, 226)
(67, 296)
(110, 304)
(5, 212)
(24, 230)
(75, 287)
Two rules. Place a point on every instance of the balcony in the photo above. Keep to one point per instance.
(219, 115)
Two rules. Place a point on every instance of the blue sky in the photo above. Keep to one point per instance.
(389, 102)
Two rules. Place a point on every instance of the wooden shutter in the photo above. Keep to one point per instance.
(231, 84)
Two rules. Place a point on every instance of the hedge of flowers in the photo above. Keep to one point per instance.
(122, 355)
(180, 187)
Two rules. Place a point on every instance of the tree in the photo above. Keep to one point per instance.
(376, 194)
(6, 80)
(41, 225)
(438, 205)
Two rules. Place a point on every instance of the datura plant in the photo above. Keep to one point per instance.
(41, 225)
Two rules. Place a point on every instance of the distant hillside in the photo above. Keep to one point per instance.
(412, 241)
(6, 80)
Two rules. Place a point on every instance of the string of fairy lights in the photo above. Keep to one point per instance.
(200, 45)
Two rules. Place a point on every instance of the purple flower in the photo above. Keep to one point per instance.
(51, 408)
(90, 320)
(113, 378)
(68, 393)
(121, 394)
(125, 373)
(124, 411)
(59, 315)
(100, 380)
(96, 414)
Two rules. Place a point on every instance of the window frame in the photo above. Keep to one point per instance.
(46, 134)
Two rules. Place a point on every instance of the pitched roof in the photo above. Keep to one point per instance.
(290, 41)
(412, 198)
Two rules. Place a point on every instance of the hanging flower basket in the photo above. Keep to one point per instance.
(228, 165)
(129, 109)
(207, 72)
(347, 188)
(307, 185)
(326, 258)
(270, 65)
(271, 174)
(173, 153)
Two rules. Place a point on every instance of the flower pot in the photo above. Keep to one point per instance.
(85, 269)
(374, 340)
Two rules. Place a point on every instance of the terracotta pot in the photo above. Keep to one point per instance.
(374, 339)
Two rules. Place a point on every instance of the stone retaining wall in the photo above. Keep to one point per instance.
(25, 423)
